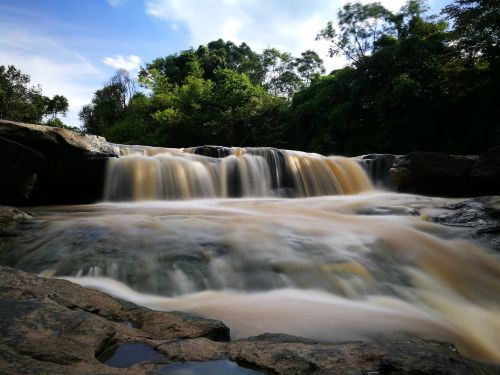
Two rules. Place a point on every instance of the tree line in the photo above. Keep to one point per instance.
(413, 81)
(21, 102)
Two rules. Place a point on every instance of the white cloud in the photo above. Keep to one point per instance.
(289, 25)
(56, 68)
(129, 63)
(116, 3)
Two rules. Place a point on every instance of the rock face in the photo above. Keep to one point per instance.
(478, 219)
(51, 165)
(19, 168)
(377, 166)
(434, 173)
(10, 218)
(431, 173)
(51, 326)
(485, 173)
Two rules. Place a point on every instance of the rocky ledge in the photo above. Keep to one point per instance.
(52, 326)
(49, 165)
(436, 173)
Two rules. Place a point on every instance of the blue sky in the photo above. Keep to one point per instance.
(71, 47)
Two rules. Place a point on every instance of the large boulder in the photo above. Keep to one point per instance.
(51, 326)
(377, 167)
(432, 173)
(75, 163)
(19, 168)
(485, 173)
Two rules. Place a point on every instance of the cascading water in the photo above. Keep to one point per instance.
(328, 264)
(147, 173)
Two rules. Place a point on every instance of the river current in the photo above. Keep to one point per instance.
(361, 264)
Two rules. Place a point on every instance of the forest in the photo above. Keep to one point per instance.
(412, 81)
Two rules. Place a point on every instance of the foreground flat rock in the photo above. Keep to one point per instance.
(52, 326)
(51, 165)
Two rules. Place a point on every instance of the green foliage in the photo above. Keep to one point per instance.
(407, 90)
(58, 104)
(360, 26)
(220, 93)
(413, 83)
(476, 30)
(18, 100)
(109, 104)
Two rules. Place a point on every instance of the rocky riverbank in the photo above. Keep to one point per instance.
(52, 326)
(436, 173)
(50, 165)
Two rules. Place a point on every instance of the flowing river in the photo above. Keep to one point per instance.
(272, 241)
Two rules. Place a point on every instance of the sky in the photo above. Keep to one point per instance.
(72, 47)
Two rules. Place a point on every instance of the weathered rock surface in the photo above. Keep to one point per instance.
(19, 167)
(51, 326)
(377, 167)
(10, 217)
(478, 219)
(212, 151)
(485, 173)
(74, 170)
(432, 173)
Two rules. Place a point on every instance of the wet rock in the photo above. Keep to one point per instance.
(290, 355)
(478, 219)
(213, 151)
(284, 354)
(377, 167)
(51, 326)
(485, 173)
(18, 170)
(432, 173)
(10, 217)
(75, 163)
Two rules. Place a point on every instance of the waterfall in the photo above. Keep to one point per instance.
(154, 173)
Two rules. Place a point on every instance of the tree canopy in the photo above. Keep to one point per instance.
(19, 101)
(412, 81)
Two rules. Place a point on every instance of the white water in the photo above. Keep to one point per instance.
(312, 267)
(319, 267)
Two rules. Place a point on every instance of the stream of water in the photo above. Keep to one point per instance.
(284, 255)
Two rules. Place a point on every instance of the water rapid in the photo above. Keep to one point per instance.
(154, 173)
(340, 261)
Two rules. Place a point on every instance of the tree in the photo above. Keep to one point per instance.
(18, 100)
(360, 26)
(280, 78)
(58, 104)
(109, 104)
(409, 92)
(309, 65)
(476, 29)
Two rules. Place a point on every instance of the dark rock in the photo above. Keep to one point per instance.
(408, 357)
(478, 219)
(51, 326)
(283, 354)
(18, 170)
(432, 173)
(485, 173)
(377, 167)
(75, 163)
(213, 151)
(9, 218)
